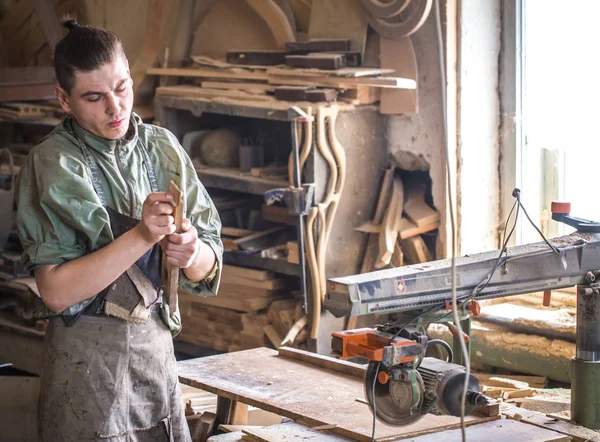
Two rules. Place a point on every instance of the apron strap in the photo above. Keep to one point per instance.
(91, 163)
(149, 168)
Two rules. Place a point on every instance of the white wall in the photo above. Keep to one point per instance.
(414, 140)
(478, 125)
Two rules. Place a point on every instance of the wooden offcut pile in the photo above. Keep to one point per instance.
(304, 75)
(254, 308)
(402, 215)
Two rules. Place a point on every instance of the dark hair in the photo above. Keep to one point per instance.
(84, 49)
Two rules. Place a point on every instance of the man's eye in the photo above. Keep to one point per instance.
(93, 100)
(122, 89)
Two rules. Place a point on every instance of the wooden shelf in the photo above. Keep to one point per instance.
(233, 179)
(255, 260)
(198, 106)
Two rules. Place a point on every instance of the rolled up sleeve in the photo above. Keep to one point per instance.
(60, 217)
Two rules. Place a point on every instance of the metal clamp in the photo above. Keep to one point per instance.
(297, 200)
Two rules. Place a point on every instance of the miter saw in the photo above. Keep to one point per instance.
(403, 383)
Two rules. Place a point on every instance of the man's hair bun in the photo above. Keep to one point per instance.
(70, 23)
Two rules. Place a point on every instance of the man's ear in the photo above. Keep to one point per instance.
(63, 99)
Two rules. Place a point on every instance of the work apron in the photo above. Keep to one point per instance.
(109, 373)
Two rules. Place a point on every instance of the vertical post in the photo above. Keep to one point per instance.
(300, 220)
(458, 356)
(585, 370)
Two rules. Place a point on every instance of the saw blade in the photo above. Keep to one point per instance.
(395, 402)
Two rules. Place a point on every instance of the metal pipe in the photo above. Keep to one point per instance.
(585, 368)
(300, 220)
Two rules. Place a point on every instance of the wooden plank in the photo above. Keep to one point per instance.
(290, 431)
(246, 239)
(204, 92)
(415, 250)
(269, 171)
(209, 73)
(171, 278)
(416, 209)
(501, 430)
(263, 58)
(400, 56)
(289, 76)
(311, 396)
(267, 284)
(27, 92)
(390, 225)
(255, 260)
(233, 179)
(278, 215)
(384, 195)
(235, 232)
(237, 302)
(317, 60)
(408, 229)
(327, 362)
(503, 380)
(243, 272)
(243, 86)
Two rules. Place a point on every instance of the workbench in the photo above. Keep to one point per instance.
(320, 391)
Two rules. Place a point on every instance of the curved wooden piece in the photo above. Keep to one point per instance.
(307, 143)
(314, 272)
(326, 153)
(287, 10)
(404, 24)
(380, 9)
(275, 19)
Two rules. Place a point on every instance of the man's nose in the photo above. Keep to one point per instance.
(112, 105)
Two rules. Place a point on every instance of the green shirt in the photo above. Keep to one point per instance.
(60, 216)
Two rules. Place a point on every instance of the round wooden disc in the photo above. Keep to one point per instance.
(385, 8)
(404, 24)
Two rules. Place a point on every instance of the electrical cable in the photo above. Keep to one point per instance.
(374, 403)
(463, 346)
(443, 344)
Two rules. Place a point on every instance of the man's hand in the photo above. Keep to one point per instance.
(182, 248)
(156, 221)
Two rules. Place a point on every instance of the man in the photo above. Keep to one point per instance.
(94, 221)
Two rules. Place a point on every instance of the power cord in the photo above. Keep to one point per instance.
(463, 346)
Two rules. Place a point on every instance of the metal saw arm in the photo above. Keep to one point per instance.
(522, 269)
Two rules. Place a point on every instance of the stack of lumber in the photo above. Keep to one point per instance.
(46, 110)
(266, 84)
(249, 301)
(401, 216)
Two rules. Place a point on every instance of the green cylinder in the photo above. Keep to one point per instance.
(585, 393)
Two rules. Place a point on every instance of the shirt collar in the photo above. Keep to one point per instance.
(103, 145)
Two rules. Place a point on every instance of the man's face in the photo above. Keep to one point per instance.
(101, 100)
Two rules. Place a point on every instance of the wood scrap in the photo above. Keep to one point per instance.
(516, 381)
(235, 232)
(408, 229)
(273, 335)
(415, 250)
(390, 225)
(278, 215)
(382, 201)
(171, 271)
(293, 252)
(245, 272)
(416, 209)
(295, 330)
(268, 171)
(256, 88)
(317, 60)
(264, 58)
